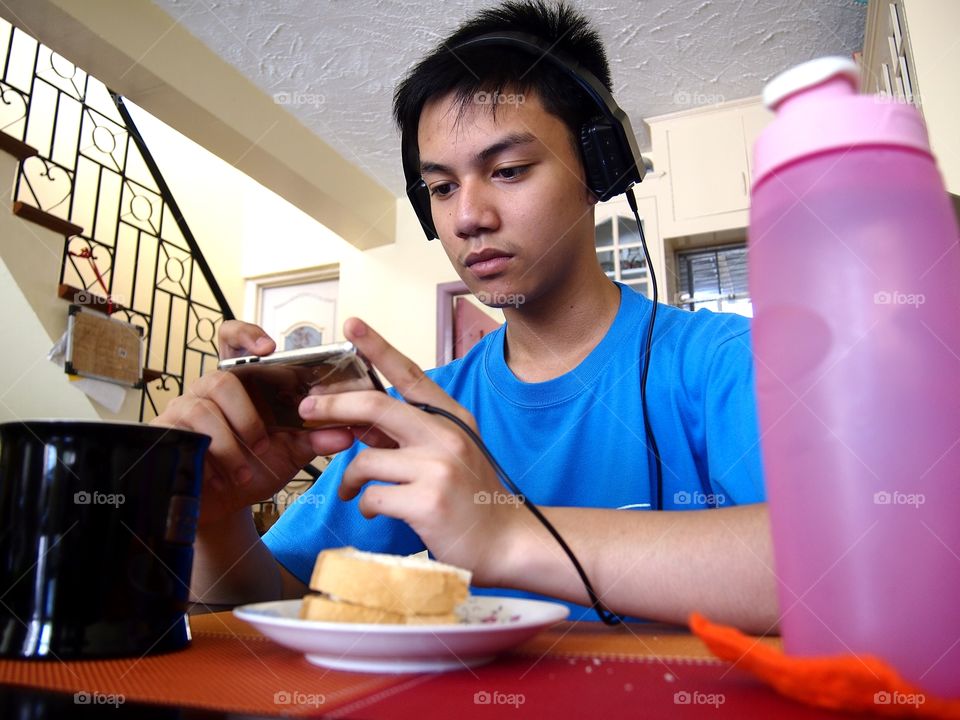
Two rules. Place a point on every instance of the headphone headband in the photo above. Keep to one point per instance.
(587, 81)
(611, 158)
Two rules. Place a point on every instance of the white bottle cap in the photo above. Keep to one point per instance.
(808, 75)
(819, 110)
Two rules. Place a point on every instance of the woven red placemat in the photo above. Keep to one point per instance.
(229, 666)
(571, 668)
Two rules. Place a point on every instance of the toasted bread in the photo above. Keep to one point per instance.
(357, 586)
(397, 584)
(321, 607)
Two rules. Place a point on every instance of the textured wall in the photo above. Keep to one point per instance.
(334, 63)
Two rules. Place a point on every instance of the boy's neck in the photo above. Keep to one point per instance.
(551, 337)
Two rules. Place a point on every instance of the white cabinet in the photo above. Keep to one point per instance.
(911, 51)
(706, 154)
(755, 118)
(708, 166)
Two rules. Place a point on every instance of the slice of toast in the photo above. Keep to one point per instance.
(320, 607)
(395, 584)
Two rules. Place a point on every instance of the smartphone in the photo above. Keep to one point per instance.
(277, 383)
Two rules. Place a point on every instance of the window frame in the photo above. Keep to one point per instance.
(687, 300)
(640, 281)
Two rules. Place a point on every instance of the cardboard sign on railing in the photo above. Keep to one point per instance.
(104, 348)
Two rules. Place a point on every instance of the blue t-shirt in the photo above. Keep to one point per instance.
(578, 440)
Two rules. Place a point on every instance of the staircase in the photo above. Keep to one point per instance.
(107, 233)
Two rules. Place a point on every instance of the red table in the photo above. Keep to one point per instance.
(571, 670)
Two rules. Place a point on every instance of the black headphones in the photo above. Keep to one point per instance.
(611, 159)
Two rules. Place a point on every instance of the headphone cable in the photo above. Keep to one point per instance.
(652, 448)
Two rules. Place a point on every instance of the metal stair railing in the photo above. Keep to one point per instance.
(86, 172)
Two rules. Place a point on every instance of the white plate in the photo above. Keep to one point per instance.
(490, 625)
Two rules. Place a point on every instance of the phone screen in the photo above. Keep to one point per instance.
(278, 383)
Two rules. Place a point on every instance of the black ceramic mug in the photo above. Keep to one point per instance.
(97, 522)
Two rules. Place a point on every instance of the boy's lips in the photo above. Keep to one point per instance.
(487, 262)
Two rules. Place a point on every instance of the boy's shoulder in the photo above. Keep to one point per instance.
(703, 328)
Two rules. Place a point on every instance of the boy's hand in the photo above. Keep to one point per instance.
(438, 481)
(245, 464)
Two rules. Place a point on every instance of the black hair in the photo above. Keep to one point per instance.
(496, 70)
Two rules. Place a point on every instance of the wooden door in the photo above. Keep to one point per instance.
(470, 324)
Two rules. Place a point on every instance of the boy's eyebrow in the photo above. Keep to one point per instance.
(509, 141)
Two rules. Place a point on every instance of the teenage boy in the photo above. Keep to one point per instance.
(555, 393)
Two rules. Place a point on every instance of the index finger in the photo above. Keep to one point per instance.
(401, 372)
(238, 338)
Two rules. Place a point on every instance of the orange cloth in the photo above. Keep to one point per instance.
(842, 682)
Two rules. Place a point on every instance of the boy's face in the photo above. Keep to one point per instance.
(508, 197)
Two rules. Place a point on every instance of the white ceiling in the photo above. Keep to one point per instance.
(336, 61)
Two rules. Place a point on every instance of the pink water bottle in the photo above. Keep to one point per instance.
(855, 281)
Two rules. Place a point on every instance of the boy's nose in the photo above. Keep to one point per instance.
(475, 210)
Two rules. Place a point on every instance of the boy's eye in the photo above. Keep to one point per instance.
(511, 173)
(441, 190)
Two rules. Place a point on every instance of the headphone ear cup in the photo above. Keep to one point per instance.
(419, 195)
(609, 169)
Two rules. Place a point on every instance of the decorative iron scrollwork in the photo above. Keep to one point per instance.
(94, 170)
(13, 110)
